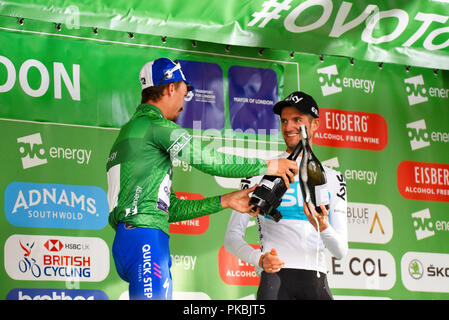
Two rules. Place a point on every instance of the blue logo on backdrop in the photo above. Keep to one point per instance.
(45, 205)
(205, 104)
(252, 95)
(56, 294)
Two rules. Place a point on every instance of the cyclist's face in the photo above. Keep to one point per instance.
(177, 95)
(291, 119)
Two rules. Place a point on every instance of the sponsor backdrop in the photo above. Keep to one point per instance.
(64, 92)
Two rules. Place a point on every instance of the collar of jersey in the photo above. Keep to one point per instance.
(145, 108)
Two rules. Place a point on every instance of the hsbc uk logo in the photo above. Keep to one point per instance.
(332, 83)
(53, 245)
(420, 137)
(418, 92)
(33, 152)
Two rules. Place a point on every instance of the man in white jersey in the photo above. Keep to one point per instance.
(291, 262)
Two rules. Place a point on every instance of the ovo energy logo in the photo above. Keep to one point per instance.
(420, 137)
(418, 134)
(425, 226)
(417, 92)
(331, 83)
(33, 153)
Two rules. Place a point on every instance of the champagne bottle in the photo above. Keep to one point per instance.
(268, 194)
(312, 180)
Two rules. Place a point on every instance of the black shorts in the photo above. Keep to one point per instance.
(293, 284)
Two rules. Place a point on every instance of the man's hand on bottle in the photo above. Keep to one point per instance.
(239, 201)
(315, 217)
(284, 168)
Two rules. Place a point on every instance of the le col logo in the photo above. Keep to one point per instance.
(331, 83)
(33, 152)
(48, 205)
(417, 92)
(420, 137)
(362, 269)
(56, 258)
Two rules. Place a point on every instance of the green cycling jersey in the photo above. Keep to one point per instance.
(139, 171)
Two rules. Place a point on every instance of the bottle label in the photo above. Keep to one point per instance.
(321, 195)
(269, 184)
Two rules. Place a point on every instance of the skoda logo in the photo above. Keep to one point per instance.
(415, 269)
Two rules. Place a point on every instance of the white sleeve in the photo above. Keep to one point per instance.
(335, 237)
(234, 240)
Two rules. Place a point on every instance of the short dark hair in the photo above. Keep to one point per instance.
(154, 93)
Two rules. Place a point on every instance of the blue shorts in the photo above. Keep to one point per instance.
(142, 258)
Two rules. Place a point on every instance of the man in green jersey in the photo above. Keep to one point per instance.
(141, 200)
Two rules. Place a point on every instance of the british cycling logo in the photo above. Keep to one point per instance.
(55, 258)
(33, 152)
(332, 83)
(418, 92)
(28, 264)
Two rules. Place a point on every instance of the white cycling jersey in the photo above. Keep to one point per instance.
(297, 242)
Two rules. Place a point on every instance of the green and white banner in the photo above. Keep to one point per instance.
(65, 93)
(399, 31)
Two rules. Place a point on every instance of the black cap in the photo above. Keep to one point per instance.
(301, 101)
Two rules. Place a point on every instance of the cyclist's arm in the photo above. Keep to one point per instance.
(180, 144)
(181, 210)
(234, 240)
(335, 236)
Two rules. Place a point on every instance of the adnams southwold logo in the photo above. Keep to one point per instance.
(420, 136)
(332, 83)
(33, 152)
(418, 92)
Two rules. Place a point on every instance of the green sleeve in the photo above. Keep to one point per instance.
(180, 144)
(181, 210)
